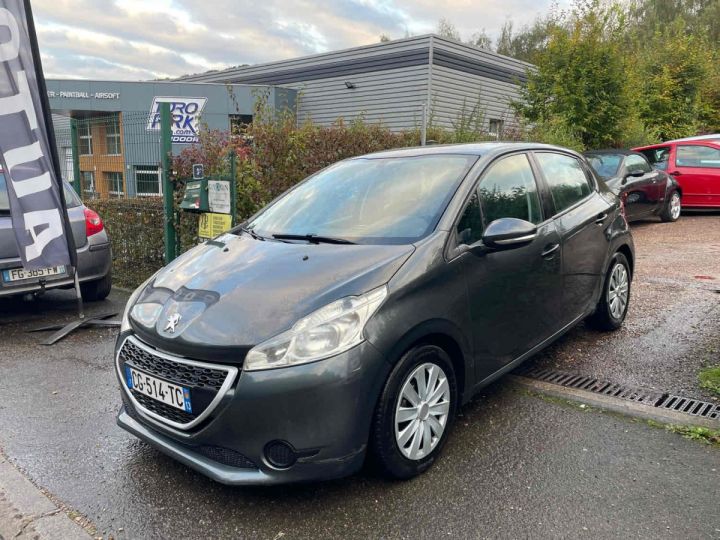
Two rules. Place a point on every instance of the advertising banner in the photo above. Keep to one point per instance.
(27, 143)
(185, 113)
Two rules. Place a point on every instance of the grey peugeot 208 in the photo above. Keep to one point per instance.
(356, 312)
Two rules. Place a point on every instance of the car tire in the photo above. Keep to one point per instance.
(611, 311)
(673, 207)
(396, 418)
(97, 289)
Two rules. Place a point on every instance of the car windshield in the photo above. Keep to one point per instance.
(71, 198)
(605, 165)
(368, 200)
(658, 157)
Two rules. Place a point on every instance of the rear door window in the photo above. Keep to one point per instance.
(698, 156)
(565, 177)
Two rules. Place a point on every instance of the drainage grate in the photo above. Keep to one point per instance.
(692, 406)
(652, 398)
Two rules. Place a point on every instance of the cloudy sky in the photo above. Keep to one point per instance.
(146, 39)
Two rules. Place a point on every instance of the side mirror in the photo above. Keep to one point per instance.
(634, 174)
(508, 233)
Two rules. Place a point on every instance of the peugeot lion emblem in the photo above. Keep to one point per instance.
(172, 322)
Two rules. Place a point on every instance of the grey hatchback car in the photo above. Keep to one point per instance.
(93, 249)
(354, 314)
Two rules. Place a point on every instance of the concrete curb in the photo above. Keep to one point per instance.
(26, 513)
(628, 408)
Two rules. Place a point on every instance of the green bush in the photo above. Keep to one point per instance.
(135, 227)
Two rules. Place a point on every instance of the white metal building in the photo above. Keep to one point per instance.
(392, 82)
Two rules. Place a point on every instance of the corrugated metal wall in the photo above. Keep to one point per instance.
(461, 85)
(392, 81)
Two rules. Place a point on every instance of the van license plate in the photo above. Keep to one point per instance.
(20, 274)
(157, 389)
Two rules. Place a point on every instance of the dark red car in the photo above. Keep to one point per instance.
(646, 192)
(695, 164)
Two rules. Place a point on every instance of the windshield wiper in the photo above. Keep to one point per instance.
(313, 238)
(252, 233)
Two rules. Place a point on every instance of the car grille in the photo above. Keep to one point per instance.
(203, 381)
(184, 374)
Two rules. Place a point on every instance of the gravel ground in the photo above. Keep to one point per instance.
(671, 330)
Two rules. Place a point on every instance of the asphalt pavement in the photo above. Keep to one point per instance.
(671, 330)
(516, 465)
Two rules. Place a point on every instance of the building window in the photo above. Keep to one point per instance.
(147, 181)
(115, 183)
(112, 136)
(496, 128)
(84, 139)
(87, 179)
(238, 123)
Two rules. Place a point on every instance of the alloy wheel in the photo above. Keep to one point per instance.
(675, 206)
(618, 290)
(422, 410)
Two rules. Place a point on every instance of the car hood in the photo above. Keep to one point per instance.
(235, 291)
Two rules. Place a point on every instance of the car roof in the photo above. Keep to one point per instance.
(471, 149)
(610, 151)
(696, 142)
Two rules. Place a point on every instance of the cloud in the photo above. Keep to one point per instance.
(142, 39)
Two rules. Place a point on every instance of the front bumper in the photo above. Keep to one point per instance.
(322, 410)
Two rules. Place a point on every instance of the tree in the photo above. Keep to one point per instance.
(447, 30)
(674, 77)
(384, 38)
(528, 42)
(481, 40)
(580, 82)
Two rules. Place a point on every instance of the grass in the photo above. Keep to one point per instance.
(710, 379)
(695, 433)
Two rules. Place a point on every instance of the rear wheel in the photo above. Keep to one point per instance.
(673, 207)
(613, 305)
(415, 412)
(97, 289)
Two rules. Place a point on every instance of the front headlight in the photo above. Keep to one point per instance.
(326, 332)
(125, 324)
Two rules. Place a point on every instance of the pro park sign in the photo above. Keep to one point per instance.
(185, 113)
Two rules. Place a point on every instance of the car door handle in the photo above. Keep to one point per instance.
(549, 251)
(675, 173)
(601, 218)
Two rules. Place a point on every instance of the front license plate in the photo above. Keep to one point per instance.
(20, 274)
(163, 391)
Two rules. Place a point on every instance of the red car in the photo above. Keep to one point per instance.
(695, 164)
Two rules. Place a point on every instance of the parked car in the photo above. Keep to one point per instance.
(708, 137)
(645, 191)
(93, 249)
(694, 164)
(360, 309)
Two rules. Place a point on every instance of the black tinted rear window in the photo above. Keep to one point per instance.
(71, 198)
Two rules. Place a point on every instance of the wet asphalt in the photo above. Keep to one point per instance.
(515, 466)
(671, 330)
